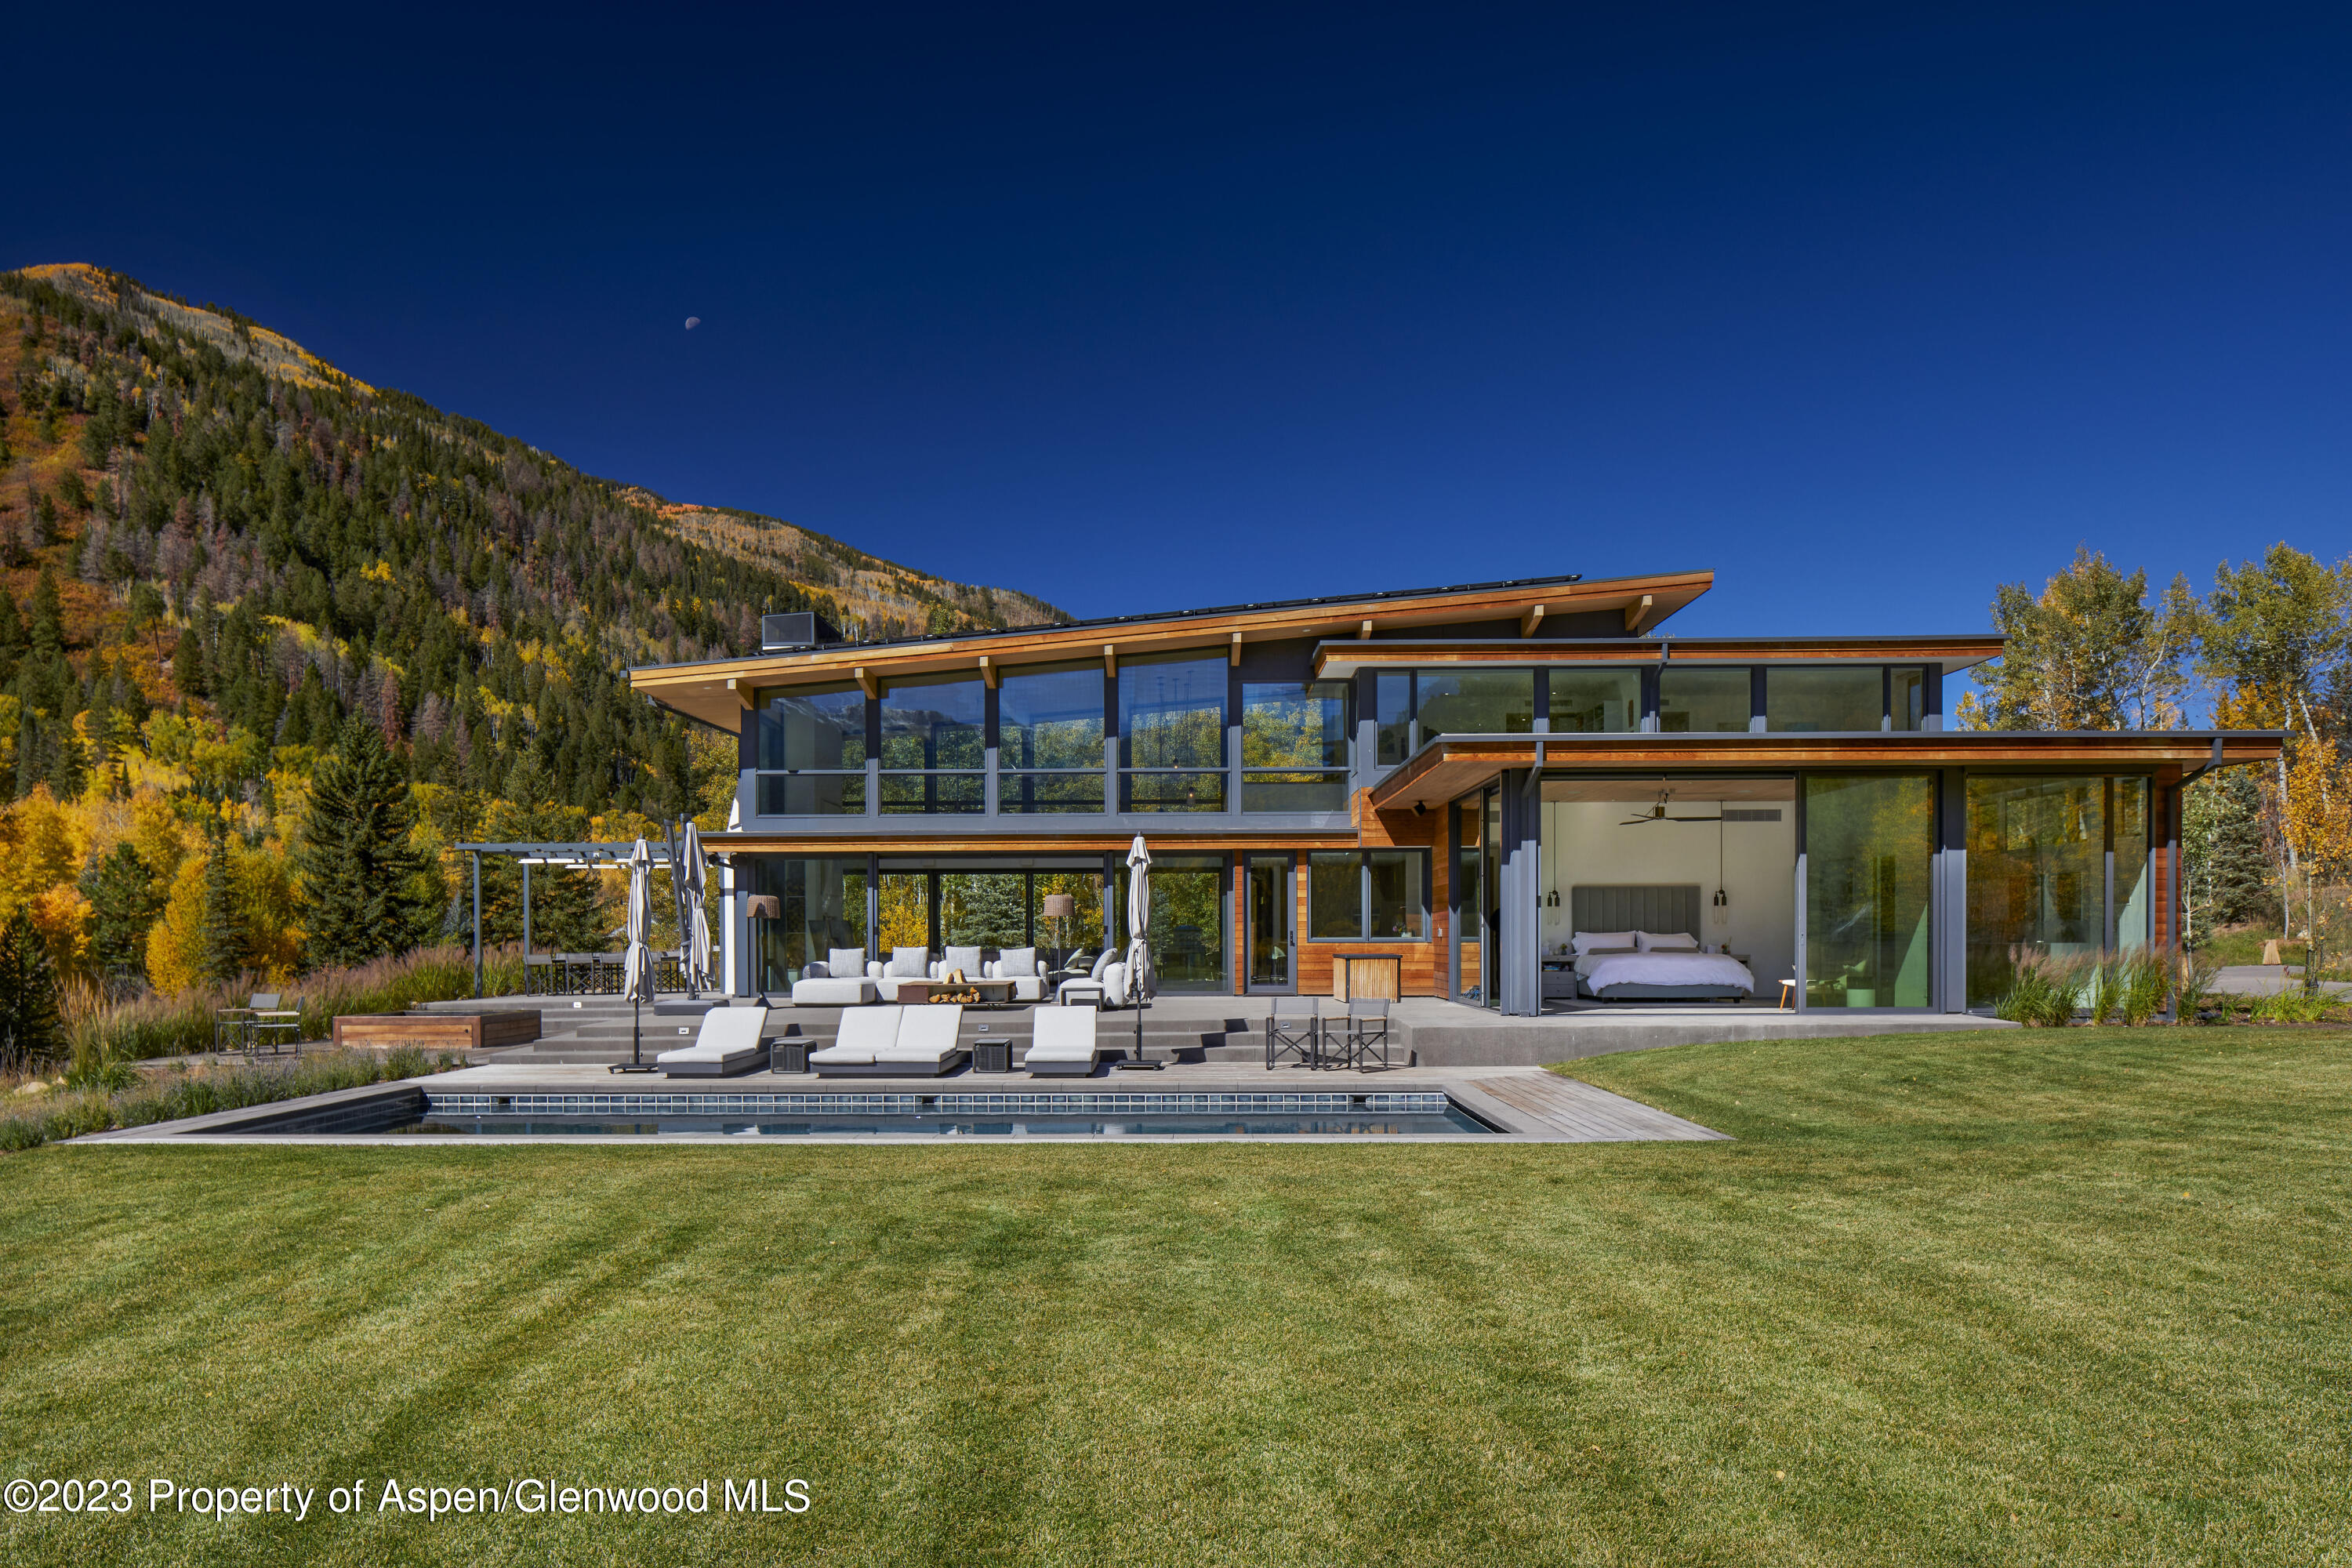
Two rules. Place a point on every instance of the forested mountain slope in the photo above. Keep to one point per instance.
(204, 524)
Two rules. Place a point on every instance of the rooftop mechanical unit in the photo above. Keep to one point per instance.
(778, 633)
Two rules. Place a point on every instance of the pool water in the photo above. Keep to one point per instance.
(1450, 1122)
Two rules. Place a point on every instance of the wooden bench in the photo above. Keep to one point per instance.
(438, 1031)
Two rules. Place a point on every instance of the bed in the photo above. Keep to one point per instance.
(1630, 974)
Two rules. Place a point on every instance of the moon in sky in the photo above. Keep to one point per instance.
(692, 322)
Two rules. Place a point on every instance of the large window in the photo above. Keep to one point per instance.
(2037, 875)
(1172, 722)
(1393, 691)
(823, 900)
(934, 746)
(1479, 702)
(1825, 700)
(1294, 745)
(1696, 700)
(1906, 696)
(983, 909)
(1049, 728)
(2129, 797)
(1368, 896)
(809, 752)
(1187, 934)
(1869, 858)
(1587, 700)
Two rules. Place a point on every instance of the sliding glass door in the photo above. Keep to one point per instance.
(1869, 857)
(1272, 905)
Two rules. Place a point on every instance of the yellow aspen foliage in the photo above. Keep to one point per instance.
(41, 845)
(2317, 814)
(175, 947)
(62, 916)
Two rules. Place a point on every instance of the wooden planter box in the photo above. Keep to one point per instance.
(437, 1031)
(1368, 975)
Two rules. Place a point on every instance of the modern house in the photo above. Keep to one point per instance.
(1456, 778)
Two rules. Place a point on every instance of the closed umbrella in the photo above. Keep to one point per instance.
(1140, 982)
(698, 929)
(637, 964)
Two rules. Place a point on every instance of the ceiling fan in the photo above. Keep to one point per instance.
(1658, 813)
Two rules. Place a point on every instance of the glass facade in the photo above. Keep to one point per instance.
(1869, 852)
(1172, 730)
(1187, 934)
(2128, 801)
(1479, 702)
(1294, 746)
(809, 752)
(1585, 702)
(823, 904)
(1368, 896)
(1825, 700)
(983, 909)
(1392, 693)
(934, 746)
(1693, 700)
(1049, 737)
(1906, 696)
(2037, 874)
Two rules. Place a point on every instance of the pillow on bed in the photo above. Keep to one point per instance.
(1586, 941)
(1667, 942)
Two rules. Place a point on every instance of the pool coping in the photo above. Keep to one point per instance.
(248, 1126)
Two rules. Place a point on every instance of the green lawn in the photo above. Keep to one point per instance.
(2074, 1296)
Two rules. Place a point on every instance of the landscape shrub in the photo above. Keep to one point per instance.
(71, 1111)
(2291, 1007)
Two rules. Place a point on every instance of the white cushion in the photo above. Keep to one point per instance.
(1014, 961)
(1063, 1034)
(1666, 941)
(1109, 956)
(726, 1031)
(964, 958)
(863, 1032)
(911, 963)
(825, 993)
(846, 962)
(1586, 941)
(926, 1033)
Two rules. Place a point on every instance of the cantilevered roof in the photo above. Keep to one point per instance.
(1451, 765)
(717, 690)
(1341, 657)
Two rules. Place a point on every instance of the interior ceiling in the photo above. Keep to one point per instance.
(1691, 792)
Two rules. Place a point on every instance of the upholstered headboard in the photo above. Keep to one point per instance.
(1660, 908)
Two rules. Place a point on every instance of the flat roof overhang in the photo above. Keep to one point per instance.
(1010, 845)
(1452, 765)
(717, 691)
(1340, 658)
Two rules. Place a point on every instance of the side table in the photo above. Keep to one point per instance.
(992, 1053)
(789, 1054)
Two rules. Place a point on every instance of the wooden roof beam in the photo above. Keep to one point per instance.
(1365, 631)
(743, 690)
(1531, 620)
(867, 684)
(1236, 657)
(989, 673)
(1110, 659)
(1638, 612)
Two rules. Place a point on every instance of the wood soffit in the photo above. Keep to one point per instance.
(1448, 769)
(1339, 660)
(712, 691)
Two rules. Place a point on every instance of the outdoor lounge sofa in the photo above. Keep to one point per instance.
(892, 1041)
(1063, 1045)
(1019, 965)
(729, 1042)
(839, 982)
(1106, 985)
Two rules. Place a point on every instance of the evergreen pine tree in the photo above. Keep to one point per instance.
(49, 629)
(31, 1028)
(2238, 877)
(227, 953)
(124, 908)
(359, 872)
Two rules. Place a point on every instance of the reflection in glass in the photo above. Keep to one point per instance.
(1399, 911)
(983, 909)
(1869, 856)
(1173, 716)
(2037, 874)
(1270, 914)
(824, 907)
(1695, 701)
(1335, 896)
(1394, 693)
(1481, 703)
(1188, 920)
(1823, 699)
(2130, 799)
(1469, 902)
(819, 733)
(928, 725)
(1050, 719)
(1585, 702)
(1294, 745)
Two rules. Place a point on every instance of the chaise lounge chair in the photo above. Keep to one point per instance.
(927, 1045)
(729, 1042)
(1063, 1044)
(864, 1031)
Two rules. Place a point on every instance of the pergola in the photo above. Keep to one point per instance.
(593, 859)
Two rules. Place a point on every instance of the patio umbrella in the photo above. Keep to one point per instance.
(1140, 982)
(696, 867)
(637, 964)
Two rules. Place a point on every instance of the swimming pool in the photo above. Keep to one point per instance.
(785, 1115)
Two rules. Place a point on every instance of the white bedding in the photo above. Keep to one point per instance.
(1713, 969)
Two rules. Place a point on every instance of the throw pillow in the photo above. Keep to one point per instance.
(910, 962)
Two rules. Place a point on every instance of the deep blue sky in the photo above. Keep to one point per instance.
(1867, 308)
